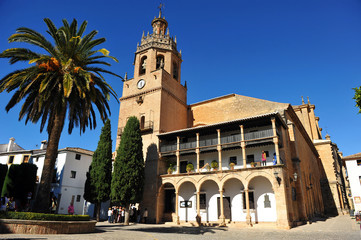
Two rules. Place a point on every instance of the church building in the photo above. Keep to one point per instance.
(228, 160)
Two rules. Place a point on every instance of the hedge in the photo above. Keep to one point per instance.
(43, 216)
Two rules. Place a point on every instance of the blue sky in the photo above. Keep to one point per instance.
(276, 50)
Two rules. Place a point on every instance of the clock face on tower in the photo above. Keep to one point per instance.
(141, 83)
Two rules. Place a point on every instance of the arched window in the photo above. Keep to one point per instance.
(160, 61)
(175, 71)
(142, 122)
(143, 65)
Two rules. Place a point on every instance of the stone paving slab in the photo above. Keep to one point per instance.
(337, 228)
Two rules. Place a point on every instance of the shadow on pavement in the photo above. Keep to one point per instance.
(180, 230)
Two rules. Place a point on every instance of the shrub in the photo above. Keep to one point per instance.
(3, 171)
(43, 216)
(190, 167)
(214, 164)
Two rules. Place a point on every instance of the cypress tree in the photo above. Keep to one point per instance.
(97, 185)
(3, 171)
(128, 174)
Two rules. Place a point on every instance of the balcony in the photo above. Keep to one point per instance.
(144, 127)
(208, 144)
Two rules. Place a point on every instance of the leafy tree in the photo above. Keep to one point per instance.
(99, 177)
(357, 97)
(63, 82)
(128, 174)
(3, 171)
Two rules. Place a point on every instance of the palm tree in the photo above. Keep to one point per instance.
(66, 82)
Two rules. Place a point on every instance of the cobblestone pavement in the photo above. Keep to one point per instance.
(340, 228)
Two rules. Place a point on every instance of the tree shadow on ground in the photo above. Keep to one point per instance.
(180, 230)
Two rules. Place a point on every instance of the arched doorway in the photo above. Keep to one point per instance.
(232, 192)
(166, 203)
(263, 198)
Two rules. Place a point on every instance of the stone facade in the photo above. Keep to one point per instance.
(283, 188)
(333, 176)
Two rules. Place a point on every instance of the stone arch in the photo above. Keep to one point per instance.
(260, 187)
(165, 202)
(253, 175)
(175, 71)
(143, 65)
(186, 179)
(207, 178)
(160, 61)
(232, 176)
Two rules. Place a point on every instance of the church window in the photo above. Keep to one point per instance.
(143, 65)
(11, 159)
(202, 201)
(201, 163)
(251, 200)
(142, 122)
(175, 71)
(250, 158)
(233, 160)
(26, 158)
(160, 62)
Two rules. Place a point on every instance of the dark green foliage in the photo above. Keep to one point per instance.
(128, 175)
(10, 183)
(42, 216)
(97, 185)
(3, 171)
(357, 97)
(19, 180)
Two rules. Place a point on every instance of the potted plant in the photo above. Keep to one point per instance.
(231, 165)
(214, 165)
(170, 169)
(189, 167)
(253, 164)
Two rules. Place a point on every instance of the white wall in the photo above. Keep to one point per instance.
(187, 193)
(261, 187)
(354, 173)
(72, 186)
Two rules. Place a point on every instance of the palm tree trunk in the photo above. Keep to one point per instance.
(42, 202)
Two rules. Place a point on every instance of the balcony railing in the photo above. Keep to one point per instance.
(146, 126)
(258, 134)
(248, 137)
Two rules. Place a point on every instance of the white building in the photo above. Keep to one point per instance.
(353, 167)
(71, 167)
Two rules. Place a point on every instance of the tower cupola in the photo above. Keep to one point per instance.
(159, 24)
(160, 37)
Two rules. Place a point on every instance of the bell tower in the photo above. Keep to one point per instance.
(156, 97)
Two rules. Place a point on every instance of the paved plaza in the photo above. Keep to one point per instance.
(340, 228)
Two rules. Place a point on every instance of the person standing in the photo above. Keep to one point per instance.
(145, 215)
(110, 212)
(264, 158)
(71, 209)
(274, 159)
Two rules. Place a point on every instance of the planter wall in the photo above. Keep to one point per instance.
(45, 227)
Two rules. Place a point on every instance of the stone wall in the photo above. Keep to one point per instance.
(45, 227)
